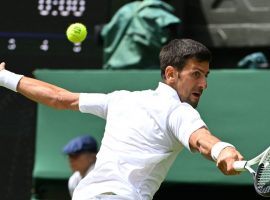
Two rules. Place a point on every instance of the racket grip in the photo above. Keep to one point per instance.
(239, 165)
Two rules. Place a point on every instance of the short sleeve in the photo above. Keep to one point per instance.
(94, 103)
(183, 121)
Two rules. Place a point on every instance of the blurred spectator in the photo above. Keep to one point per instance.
(81, 153)
(255, 60)
(135, 34)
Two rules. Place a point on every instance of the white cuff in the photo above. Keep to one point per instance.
(9, 79)
(217, 148)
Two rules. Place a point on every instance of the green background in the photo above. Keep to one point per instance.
(235, 107)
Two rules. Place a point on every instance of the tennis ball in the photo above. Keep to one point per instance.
(76, 32)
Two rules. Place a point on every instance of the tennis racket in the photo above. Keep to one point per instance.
(261, 176)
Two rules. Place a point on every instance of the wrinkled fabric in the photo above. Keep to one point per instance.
(136, 33)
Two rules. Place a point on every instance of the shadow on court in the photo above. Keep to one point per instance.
(205, 191)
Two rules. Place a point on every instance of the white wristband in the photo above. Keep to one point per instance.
(217, 148)
(9, 79)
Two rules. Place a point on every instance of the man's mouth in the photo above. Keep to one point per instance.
(197, 94)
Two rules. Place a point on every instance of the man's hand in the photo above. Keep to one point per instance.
(226, 159)
(2, 66)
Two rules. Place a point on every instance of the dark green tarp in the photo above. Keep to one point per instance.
(135, 34)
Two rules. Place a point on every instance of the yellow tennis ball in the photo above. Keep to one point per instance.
(76, 32)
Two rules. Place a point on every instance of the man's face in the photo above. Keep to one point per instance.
(191, 81)
(81, 161)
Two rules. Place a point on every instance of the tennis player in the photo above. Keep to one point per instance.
(145, 130)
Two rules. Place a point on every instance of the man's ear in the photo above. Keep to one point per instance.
(170, 74)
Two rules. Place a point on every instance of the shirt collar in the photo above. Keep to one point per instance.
(168, 90)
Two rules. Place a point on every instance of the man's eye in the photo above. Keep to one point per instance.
(196, 74)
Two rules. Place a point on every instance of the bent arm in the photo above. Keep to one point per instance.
(204, 142)
(39, 91)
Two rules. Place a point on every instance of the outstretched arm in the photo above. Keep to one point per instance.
(39, 91)
(213, 148)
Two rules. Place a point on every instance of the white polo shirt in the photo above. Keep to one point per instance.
(144, 132)
(75, 178)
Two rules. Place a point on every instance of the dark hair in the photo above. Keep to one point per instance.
(178, 51)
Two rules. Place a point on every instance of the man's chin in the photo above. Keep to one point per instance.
(193, 104)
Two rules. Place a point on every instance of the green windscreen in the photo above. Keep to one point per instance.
(235, 107)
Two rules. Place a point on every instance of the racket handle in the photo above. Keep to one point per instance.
(239, 165)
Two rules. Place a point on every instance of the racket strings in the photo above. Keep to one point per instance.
(263, 174)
